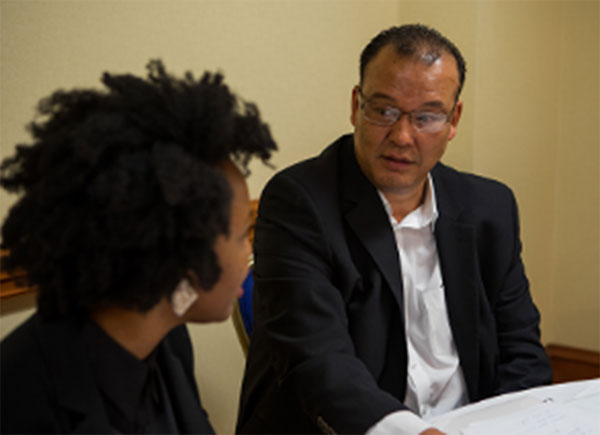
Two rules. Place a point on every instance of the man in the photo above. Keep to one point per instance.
(389, 287)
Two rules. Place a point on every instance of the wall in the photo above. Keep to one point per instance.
(576, 236)
(530, 117)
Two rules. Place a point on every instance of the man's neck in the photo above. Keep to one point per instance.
(138, 333)
(403, 203)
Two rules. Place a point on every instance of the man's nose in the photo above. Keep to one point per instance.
(402, 131)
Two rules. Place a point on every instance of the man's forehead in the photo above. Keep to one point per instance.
(389, 68)
(425, 56)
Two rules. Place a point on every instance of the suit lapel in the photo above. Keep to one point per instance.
(368, 219)
(457, 250)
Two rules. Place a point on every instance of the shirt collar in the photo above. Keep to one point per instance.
(120, 375)
(424, 215)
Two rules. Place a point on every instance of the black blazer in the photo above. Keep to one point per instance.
(328, 350)
(47, 383)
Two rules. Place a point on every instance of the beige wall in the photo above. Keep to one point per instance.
(576, 232)
(530, 119)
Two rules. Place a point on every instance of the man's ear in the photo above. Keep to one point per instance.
(455, 119)
(354, 104)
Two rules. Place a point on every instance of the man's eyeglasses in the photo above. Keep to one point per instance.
(422, 120)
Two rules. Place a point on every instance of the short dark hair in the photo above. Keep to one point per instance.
(414, 40)
(121, 196)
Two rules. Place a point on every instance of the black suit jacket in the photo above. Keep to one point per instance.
(328, 350)
(47, 383)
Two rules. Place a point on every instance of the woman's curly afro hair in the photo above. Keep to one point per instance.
(120, 195)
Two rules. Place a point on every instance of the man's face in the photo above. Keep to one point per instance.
(398, 157)
(233, 252)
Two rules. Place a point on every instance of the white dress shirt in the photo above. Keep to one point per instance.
(435, 383)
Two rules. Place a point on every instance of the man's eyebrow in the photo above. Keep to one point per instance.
(434, 104)
(380, 95)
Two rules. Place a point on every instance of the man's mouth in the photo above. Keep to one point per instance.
(400, 162)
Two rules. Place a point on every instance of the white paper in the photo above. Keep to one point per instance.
(563, 409)
(543, 419)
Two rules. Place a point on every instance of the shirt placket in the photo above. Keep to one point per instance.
(418, 379)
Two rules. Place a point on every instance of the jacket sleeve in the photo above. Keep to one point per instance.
(301, 308)
(523, 362)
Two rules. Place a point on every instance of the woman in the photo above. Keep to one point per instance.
(133, 220)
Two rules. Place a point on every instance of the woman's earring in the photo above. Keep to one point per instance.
(183, 297)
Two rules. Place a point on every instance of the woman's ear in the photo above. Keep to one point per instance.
(185, 294)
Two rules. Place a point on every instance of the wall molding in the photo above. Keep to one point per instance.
(572, 363)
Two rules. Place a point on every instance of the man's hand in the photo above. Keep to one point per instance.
(432, 431)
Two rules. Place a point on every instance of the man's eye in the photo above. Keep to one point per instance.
(427, 117)
(384, 111)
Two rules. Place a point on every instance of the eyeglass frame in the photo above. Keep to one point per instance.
(363, 100)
